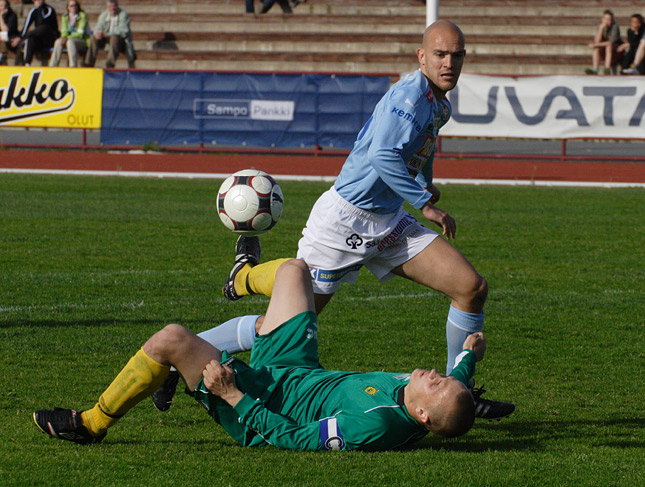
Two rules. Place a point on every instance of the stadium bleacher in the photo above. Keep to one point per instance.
(503, 36)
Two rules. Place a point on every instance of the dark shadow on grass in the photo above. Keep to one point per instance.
(533, 435)
(529, 436)
(92, 323)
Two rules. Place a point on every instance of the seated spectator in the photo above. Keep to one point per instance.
(637, 65)
(75, 35)
(112, 28)
(8, 30)
(605, 45)
(41, 37)
(634, 36)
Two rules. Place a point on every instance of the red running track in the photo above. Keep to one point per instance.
(480, 169)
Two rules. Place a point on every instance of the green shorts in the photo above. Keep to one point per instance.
(294, 344)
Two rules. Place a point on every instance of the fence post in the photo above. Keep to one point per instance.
(563, 152)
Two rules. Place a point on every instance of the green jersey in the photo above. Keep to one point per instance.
(291, 402)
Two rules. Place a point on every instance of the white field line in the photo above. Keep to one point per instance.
(65, 306)
(285, 177)
(402, 296)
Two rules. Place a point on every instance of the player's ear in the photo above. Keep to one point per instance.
(421, 55)
(423, 417)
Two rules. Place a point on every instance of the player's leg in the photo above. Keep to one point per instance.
(321, 300)
(442, 267)
(292, 295)
(248, 276)
(140, 377)
(235, 335)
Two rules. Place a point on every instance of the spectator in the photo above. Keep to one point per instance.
(605, 45)
(113, 28)
(8, 30)
(41, 37)
(284, 4)
(75, 35)
(633, 61)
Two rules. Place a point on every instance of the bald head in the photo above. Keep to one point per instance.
(457, 416)
(440, 403)
(441, 56)
(442, 28)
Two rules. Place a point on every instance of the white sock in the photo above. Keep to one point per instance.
(459, 325)
(235, 335)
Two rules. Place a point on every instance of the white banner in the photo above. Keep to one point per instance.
(548, 107)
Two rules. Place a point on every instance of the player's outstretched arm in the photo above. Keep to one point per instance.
(477, 343)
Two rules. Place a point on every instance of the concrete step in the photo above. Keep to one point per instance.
(237, 25)
(356, 67)
(410, 8)
(356, 47)
(386, 62)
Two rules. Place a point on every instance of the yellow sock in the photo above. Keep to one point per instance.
(140, 377)
(258, 279)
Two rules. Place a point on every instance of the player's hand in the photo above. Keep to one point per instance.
(477, 343)
(220, 380)
(441, 218)
(436, 194)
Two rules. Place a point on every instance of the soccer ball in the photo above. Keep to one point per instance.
(249, 202)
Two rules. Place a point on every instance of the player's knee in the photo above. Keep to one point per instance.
(292, 268)
(167, 341)
(480, 290)
(474, 292)
(294, 271)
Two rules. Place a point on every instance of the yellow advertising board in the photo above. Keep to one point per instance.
(51, 97)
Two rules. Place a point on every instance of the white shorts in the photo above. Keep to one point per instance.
(340, 238)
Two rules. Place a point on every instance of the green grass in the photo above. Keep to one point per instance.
(91, 267)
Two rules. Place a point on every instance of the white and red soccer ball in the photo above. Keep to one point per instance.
(250, 202)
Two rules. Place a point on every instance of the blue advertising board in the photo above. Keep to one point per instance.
(237, 109)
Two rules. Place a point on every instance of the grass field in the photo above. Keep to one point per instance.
(91, 267)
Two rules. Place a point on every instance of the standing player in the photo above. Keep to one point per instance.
(361, 222)
(285, 398)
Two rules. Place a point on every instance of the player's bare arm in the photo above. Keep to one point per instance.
(441, 218)
(436, 194)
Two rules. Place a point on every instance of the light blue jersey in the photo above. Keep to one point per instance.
(392, 159)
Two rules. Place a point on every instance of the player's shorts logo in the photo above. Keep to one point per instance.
(371, 390)
(354, 241)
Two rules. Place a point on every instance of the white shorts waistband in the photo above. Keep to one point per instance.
(341, 203)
